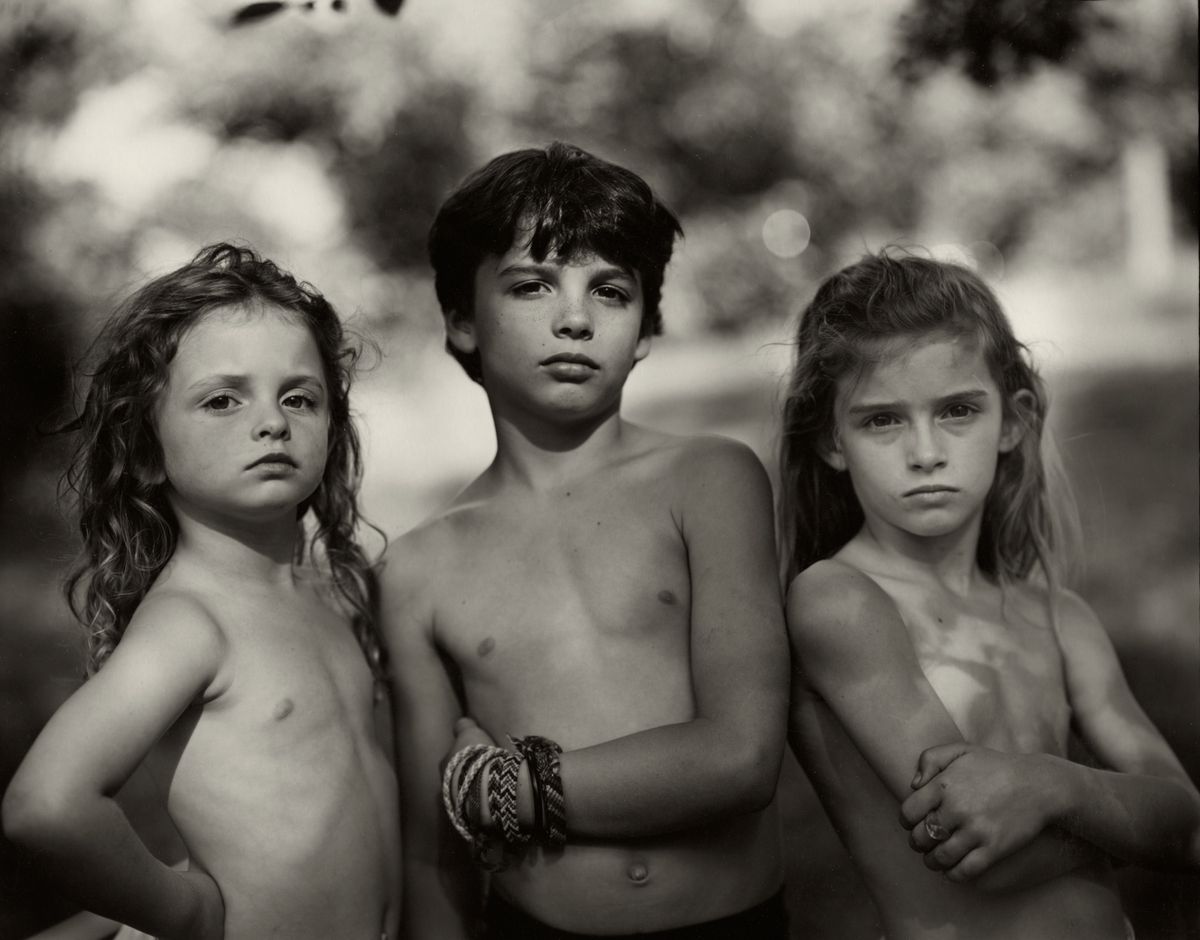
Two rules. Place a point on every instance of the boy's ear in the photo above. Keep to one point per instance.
(830, 450)
(1013, 428)
(460, 331)
(642, 349)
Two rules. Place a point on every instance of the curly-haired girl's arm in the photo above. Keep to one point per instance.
(60, 806)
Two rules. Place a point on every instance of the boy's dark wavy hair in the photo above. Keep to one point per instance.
(891, 296)
(567, 203)
(116, 472)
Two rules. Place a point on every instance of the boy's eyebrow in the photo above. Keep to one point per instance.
(969, 394)
(540, 270)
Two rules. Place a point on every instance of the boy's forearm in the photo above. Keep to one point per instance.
(97, 860)
(662, 780)
(1139, 818)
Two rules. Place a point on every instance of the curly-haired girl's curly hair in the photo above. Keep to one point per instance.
(1029, 515)
(116, 472)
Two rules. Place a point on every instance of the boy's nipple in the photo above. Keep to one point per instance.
(283, 709)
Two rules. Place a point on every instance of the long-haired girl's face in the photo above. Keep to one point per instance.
(243, 420)
(920, 431)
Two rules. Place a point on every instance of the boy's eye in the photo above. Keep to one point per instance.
(880, 421)
(528, 288)
(609, 292)
(959, 410)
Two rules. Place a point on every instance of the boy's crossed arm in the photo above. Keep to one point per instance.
(60, 805)
(724, 761)
(1142, 809)
(855, 651)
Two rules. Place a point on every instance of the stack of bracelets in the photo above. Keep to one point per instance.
(480, 768)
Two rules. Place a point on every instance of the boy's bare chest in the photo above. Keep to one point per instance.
(999, 675)
(580, 574)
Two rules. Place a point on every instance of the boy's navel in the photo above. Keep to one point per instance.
(484, 648)
(638, 873)
(283, 709)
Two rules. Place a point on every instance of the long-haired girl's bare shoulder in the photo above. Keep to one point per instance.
(835, 597)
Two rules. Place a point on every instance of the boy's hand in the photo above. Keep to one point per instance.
(467, 732)
(974, 806)
(207, 921)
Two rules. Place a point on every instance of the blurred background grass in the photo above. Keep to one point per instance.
(1052, 146)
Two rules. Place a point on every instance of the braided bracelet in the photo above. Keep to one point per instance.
(542, 754)
(502, 797)
(471, 760)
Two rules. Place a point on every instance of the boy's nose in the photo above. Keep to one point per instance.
(573, 321)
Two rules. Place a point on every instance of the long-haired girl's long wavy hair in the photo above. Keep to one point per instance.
(116, 472)
(1028, 517)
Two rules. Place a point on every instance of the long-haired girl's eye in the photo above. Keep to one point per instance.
(219, 403)
(299, 400)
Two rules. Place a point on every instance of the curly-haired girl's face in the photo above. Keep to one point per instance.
(243, 420)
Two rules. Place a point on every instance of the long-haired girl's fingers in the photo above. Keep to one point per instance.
(927, 834)
(970, 867)
(934, 760)
(918, 805)
(949, 853)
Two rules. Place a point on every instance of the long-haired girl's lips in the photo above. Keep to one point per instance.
(273, 459)
(924, 490)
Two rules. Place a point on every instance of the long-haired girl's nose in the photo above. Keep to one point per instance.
(925, 452)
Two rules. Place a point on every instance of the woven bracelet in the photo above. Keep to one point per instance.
(502, 798)
(543, 753)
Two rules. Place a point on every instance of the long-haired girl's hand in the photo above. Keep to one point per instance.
(974, 806)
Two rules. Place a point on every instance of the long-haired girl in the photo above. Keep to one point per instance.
(231, 651)
(930, 630)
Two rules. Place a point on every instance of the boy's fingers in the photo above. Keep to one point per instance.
(934, 760)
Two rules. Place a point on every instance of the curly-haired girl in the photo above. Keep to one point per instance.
(231, 649)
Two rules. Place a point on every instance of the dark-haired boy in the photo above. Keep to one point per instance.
(603, 585)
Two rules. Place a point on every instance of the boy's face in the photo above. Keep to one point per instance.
(244, 419)
(554, 336)
(920, 433)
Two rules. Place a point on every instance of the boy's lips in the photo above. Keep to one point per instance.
(572, 359)
(275, 457)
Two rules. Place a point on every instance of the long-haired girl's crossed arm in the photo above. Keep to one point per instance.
(851, 648)
(60, 806)
(1140, 806)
